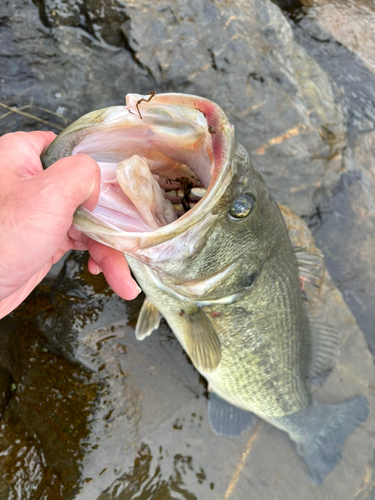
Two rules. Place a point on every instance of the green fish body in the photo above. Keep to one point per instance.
(224, 274)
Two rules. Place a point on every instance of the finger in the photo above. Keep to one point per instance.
(78, 236)
(74, 180)
(21, 151)
(39, 140)
(13, 300)
(115, 269)
(79, 246)
(94, 268)
(65, 246)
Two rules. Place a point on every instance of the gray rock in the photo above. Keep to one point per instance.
(136, 412)
(86, 55)
(244, 58)
(351, 23)
(345, 232)
(64, 70)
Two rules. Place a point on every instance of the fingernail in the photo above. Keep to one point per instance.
(137, 289)
(96, 269)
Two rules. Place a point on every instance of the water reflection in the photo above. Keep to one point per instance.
(145, 479)
(46, 421)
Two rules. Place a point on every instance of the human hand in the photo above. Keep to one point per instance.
(36, 213)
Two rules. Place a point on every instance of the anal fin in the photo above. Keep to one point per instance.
(227, 419)
(148, 320)
(202, 342)
(325, 349)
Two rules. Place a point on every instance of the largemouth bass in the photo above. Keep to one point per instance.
(210, 249)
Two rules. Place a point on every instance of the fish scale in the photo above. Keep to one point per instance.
(268, 377)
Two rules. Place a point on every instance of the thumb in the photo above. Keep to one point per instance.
(73, 181)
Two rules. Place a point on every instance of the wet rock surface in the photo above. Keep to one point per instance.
(343, 214)
(43, 427)
(128, 419)
(89, 412)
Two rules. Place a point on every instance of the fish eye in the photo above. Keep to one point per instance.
(242, 207)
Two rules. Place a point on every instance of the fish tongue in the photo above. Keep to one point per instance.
(138, 183)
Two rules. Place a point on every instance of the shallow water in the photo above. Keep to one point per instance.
(89, 412)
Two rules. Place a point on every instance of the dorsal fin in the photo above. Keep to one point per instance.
(148, 320)
(325, 349)
(310, 264)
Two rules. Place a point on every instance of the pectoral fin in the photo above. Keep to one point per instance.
(148, 320)
(202, 343)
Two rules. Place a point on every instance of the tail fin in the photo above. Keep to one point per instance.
(326, 429)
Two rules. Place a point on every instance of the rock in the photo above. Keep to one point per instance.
(244, 58)
(80, 56)
(75, 304)
(351, 23)
(345, 230)
(343, 215)
(353, 88)
(58, 73)
(138, 410)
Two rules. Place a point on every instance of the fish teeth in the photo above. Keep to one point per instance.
(178, 208)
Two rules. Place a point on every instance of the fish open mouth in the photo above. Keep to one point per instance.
(163, 160)
(154, 169)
